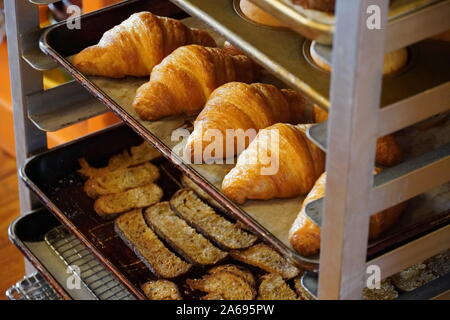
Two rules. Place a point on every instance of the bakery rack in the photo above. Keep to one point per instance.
(354, 92)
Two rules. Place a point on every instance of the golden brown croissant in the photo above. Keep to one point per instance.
(137, 45)
(305, 234)
(182, 83)
(388, 152)
(280, 163)
(235, 106)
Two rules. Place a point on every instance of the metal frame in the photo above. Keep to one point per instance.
(355, 123)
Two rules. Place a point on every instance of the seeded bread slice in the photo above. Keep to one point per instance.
(267, 259)
(161, 290)
(181, 237)
(136, 156)
(121, 180)
(204, 219)
(239, 271)
(301, 291)
(111, 205)
(273, 287)
(223, 284)
(133, 230)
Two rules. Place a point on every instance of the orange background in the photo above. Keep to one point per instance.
(53, 138)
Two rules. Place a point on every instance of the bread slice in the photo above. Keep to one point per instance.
(267, 259)
(239, 271)
(202, 217)
(412, 278)
(273, 287)
(111, 205)
(223, 284)
(189, 184)
(121, 180)
(386, 292)
(137, 155)
(181, 237)
(161, 290)
(133, 230)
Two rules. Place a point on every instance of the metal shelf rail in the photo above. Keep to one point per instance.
(356, 121)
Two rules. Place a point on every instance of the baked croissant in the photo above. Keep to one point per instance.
(249, 108)
(183, 81)
(388, 152)
(137, 45)
(280, 163)
(304, 234)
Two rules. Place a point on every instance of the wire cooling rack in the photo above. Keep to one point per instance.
(32, 287)
(85, 266)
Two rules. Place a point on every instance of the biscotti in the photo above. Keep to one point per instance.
(412, 278)
(202, 217)
(111, 205)
(161, 290)
(181, 237)
(121, 180)
(385, 292)
(273, 287)
(133, 230)
(239, 271)
(223, 285)
(267, 259)
(136, 156)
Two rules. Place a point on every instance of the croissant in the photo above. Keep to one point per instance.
(280, 163)
(250, 108)
(304, 234)
(137, 45)
(183, 81)
(388, 152)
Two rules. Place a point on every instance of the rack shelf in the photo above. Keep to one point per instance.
(405, 27)
(62, 106)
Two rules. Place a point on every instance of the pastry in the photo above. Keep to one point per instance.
(258, 15)
(137, 45)
(183, 81)
(280, 163)
(235, 112)
(388, 151)
(304, 234)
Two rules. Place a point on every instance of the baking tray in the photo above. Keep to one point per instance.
(287, 57)
(54, 178)
(262, 216)
(309, 282)
(27, 233)
(320, 26)
(59, 255)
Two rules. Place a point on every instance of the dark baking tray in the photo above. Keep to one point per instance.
(32, 227)
(53, 177)
(54, 43)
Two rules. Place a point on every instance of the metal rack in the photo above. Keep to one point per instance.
(32, 287)
(356, 121)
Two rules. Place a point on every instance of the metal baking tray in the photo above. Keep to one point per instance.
(288, 57)
(320, 26)
(53, 177)
(59, 255)
(32, 287)
(435, 288)
(262, 216)
(27, 233)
